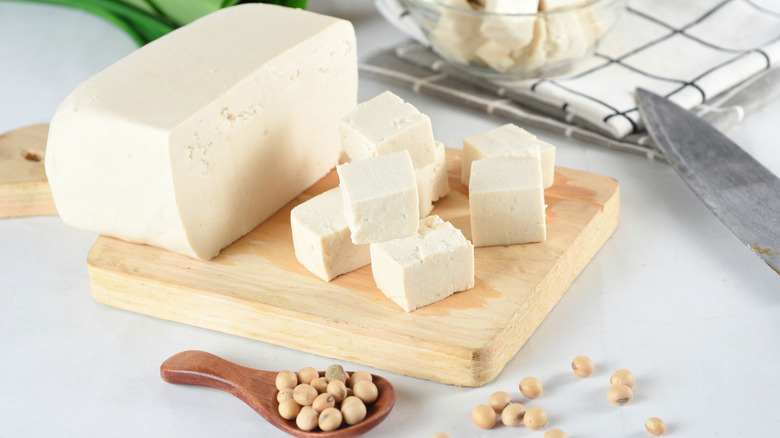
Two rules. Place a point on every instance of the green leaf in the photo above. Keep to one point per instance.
(182, 12)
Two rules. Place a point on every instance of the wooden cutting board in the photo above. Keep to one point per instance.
(24, 190)
(256, 288)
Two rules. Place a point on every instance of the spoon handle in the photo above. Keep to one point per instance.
(205, 369)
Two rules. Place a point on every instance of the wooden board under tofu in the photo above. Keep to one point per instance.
(257, 289)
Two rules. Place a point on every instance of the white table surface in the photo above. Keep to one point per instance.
(673, 295)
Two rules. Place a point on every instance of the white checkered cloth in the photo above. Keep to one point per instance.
(713, 56)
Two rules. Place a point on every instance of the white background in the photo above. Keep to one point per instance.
(673, 295)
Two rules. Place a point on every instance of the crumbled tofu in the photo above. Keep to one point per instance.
(387, 124)
(321, 237)
(380, 197)
(506, 200)
(424, 268)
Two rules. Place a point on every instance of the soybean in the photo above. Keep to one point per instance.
(286, 379)
(531, 387)
(322, 402)
(338, 390)
(513, 414)
(284, 394)
(353, 412)
(366, 391)
(555, 433)
(307, 374)
(289, 409)
(320, 384)
(336, 372)
(620, 394)
(304, 394)
(655, 426)
(535, 418)
(307, 418)
(330, 419)
(623, 377)
(499, 400)
(582, 366)
(359, 376)
(484, 416)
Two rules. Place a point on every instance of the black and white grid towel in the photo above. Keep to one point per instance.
(713, 56)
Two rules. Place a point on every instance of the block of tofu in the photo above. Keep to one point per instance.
(432, 181)
(559, 37)
(506, 200)
(496, 55)
(456, 35)
(387, 124)
(380, 197)
(193, 140)
(321, 237)
(512, 6)
(551, 5)
(427, 267)
(507, 141)
(512, 32)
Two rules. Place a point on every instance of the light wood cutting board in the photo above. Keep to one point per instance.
(24, 190)
(256, 288)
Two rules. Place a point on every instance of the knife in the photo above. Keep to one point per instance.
(741, 192)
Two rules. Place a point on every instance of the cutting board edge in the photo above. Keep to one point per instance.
(507, 344)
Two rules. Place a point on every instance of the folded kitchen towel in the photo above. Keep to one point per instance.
(713, 56)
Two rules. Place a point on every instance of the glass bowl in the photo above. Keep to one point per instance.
(514, 45)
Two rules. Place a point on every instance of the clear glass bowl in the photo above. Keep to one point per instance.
(514, 46)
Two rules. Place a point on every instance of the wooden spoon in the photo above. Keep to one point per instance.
(257, 388)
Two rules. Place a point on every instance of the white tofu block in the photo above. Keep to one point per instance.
(424, 268)
(432, 181)
(387, 124)
(514, 33)
(321, 237)
(496, 55)
(506, 201)
(551, 5)
(193, 140)
(380, 197)
(512, 6)
(507, 141)
(560, 37)
(456, 35)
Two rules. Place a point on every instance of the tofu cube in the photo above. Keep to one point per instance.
(432, 181)
(551, 5)
(387, 124)
(427, 267)
(321, 237)
(506, 201)
(496, 55)
(380, 197)
(512, 6)
(507, 141)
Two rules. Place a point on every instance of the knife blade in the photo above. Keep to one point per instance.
(741, 192)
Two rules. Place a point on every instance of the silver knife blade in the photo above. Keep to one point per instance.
(741, 192)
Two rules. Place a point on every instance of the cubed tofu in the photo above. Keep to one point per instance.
(506, 200)
(507, 141)
(380, 197)
(496, 55)
(424, 268)
(321, 237)
(432, 181)
(387, 124)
